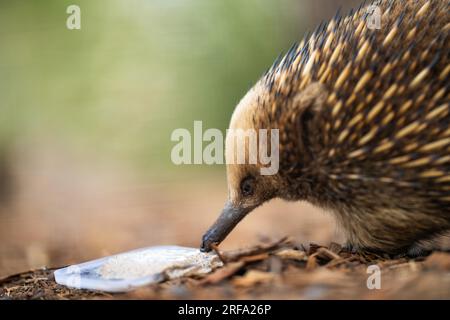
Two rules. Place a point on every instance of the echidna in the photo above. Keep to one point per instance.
(363, 117)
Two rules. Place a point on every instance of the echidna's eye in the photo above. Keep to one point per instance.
(247, 186)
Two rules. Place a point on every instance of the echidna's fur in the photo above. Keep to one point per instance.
(364, 124)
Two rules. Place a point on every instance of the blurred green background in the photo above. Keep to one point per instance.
(137, 69)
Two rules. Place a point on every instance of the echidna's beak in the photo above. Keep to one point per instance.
(226, 222)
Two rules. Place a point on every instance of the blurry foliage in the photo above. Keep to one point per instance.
(135, 71)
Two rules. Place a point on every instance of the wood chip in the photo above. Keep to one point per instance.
(252, 278)
(313, 247)
(264, 248)
(325, 253)
(223, 273)
(312, 262)
(340, 261)
(291, 254)
(254, 258)
(335, 247)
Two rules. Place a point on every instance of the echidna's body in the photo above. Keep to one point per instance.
(364, 125)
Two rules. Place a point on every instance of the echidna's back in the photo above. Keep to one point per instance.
(388, 99)
(389, 104)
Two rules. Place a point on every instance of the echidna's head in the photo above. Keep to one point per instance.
(271, 142)
(252, 180)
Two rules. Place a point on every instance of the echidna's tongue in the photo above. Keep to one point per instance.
(226, 222)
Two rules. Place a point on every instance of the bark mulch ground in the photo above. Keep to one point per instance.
(277, 270)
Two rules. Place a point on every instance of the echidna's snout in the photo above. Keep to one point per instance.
(228, 219)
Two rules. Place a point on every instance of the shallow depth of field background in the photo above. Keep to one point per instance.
(86, 118)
